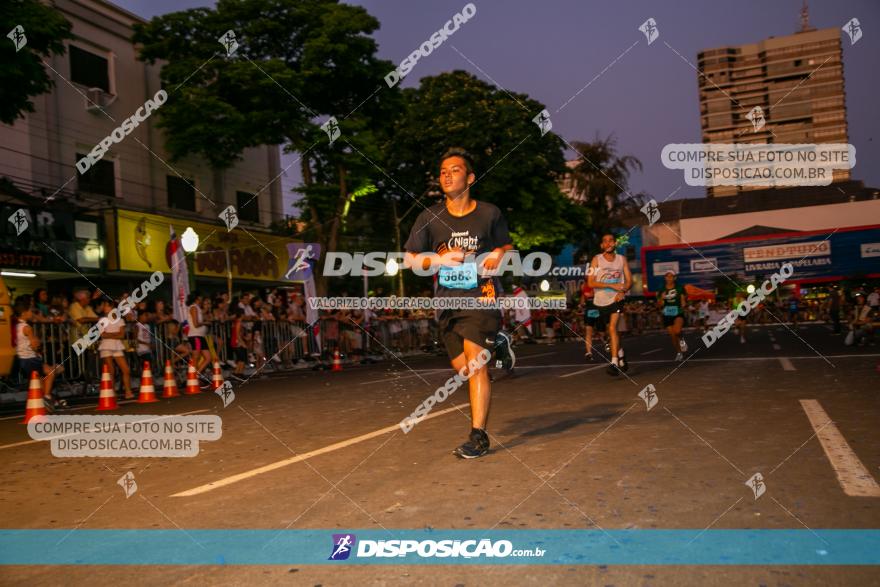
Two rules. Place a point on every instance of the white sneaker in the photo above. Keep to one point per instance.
(742, 339)
(683, 345)
(679, 357)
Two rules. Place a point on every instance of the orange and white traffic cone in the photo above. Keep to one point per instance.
(192, 380)
(337, 362)
(107, 398)
(147, 393)
(35, 406)
(169, 385)
(216, 377)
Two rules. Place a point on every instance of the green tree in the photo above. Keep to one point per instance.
(298, 63)
(22, 73)
(601, 178)
(517, 169)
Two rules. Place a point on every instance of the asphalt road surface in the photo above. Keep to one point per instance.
(572, 448)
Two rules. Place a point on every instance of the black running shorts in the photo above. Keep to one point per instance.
(605, 313)
(477, 326)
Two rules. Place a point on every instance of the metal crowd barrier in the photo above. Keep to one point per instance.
(281, 344)
(273, 344)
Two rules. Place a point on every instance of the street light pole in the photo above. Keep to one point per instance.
(189, 240)
(397, 220)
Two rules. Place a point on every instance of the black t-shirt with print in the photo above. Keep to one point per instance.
(672, 297)
(480, 231)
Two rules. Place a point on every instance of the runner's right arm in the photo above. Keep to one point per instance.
(591, 275)
(426, 261)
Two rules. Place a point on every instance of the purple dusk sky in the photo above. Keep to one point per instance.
(648, 97)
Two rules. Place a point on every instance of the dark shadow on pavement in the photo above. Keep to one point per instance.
(557, 422)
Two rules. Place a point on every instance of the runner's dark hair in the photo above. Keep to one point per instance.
(459, 152)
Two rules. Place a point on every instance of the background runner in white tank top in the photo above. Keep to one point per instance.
(608, 272)
(200, 330)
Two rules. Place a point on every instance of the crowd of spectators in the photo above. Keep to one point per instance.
(853, 311)
(250, 334)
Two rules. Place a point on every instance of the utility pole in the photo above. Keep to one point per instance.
(431, 191)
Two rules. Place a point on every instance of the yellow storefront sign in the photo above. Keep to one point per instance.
(144, 238)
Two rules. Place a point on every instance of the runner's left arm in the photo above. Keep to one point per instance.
(627, 282)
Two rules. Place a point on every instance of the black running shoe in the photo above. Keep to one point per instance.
(613, 370)
(502, 347)
(476, 446)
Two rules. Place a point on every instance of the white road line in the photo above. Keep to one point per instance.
(651, 352)
(24, 442)
(776, 347)
(587, 370)
(787, 364)
(301, 457)
(852, 475)
(77, 409)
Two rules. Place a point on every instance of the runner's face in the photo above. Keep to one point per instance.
(608, 242)
(454, 177)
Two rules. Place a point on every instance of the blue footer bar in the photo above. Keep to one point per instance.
(446, 547)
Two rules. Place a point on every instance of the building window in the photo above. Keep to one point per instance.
(99, 179)
(181, 193)
(89, 69)
(248, 206)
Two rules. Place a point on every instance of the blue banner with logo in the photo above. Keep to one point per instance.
(814, 256)
(446, 547)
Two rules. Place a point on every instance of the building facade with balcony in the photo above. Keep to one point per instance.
(134, 191)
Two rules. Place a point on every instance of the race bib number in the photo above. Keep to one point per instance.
(592, 313)
(463, 276)
(670, 310)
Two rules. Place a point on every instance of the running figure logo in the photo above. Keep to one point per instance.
(300, 261)
(229, 43)
(652, 211)
(543, 121)
(650, 30)
(342, 547)
(230, 217)
(756, 484)
(756, 116)
(649, 395)
(128, 484)
(331, 127)
(18, 38)
(19, 220)
(226, 394)
(854, 29)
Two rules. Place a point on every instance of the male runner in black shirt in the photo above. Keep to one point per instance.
(458, 230)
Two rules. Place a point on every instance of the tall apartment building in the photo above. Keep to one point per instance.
(797, 80)
(113, 220)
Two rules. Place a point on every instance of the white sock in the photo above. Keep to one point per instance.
(614, 361)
